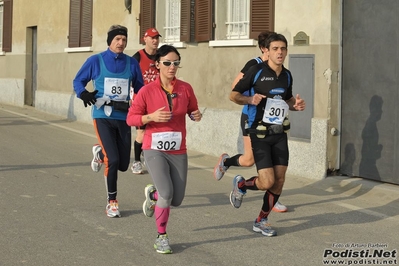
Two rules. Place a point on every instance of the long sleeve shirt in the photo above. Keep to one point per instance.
(151, 98)
(114, 76)
(115, 63)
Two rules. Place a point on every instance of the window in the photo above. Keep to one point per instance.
(239, 22)
(178, 20)
(80, 23)
(6, 7)
(174, 18)
(207, 20)
(172, 21)
(238, 19)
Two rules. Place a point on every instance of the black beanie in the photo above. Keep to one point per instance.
(114, 32)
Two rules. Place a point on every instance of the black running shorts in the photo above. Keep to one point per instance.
(270, 151)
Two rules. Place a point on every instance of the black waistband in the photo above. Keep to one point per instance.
(267, 130)
(270, 130)
(119, 105)
(112, 103)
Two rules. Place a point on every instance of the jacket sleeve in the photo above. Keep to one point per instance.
(137, 81)
(192, 100)
(89, 71)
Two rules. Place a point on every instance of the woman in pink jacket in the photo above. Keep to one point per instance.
(162, 106)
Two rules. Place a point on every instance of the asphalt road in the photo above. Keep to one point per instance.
(52, 210)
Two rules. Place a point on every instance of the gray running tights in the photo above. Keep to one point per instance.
(169, 174)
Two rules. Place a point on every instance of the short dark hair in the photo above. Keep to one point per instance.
(164, 50)
(274, 37)
(262, 37)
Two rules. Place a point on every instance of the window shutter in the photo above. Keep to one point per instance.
(74, 23)
(203, 20)
(147, 17)
(86, 26)
(7, 26)
(185, 19)
(262, 17)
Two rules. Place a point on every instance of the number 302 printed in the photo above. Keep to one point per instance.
(166, 145)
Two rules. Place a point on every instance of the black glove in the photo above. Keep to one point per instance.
(88, 97)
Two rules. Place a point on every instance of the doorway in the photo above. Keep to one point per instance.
(370, 139)
(31, 66)
(302, 69)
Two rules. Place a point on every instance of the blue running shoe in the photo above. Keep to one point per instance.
(264, 228)
(220, 169)
(237, 194)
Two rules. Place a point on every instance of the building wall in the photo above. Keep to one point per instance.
(210, 70)
(320, 20)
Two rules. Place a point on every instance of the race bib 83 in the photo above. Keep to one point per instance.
(116, 88)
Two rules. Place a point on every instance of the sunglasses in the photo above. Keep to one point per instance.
(168, 63)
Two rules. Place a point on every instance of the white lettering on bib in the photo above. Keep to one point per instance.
(275, 111)
(116, 88)
(166, 141)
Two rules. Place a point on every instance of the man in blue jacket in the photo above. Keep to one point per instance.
(116, 76)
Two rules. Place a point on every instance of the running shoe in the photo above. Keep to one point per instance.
(112, 209)
(96, 163)
(162, 244)
(237, 194)
(220, 169)
(278, 207)
(264, 228)
(149, 204)
(137, 168)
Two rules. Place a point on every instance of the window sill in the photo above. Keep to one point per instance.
(220, 43)
(175, 44)
(78, 49)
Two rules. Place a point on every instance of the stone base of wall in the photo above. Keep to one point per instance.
(310, 158)
(12, 91)
(219, 132)
(65, 105)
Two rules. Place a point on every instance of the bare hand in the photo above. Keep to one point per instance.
(160, 115)
(256, 99)
(299, 103)
(196, 116)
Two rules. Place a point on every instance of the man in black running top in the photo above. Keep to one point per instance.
(268, 105)
(246, 159)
